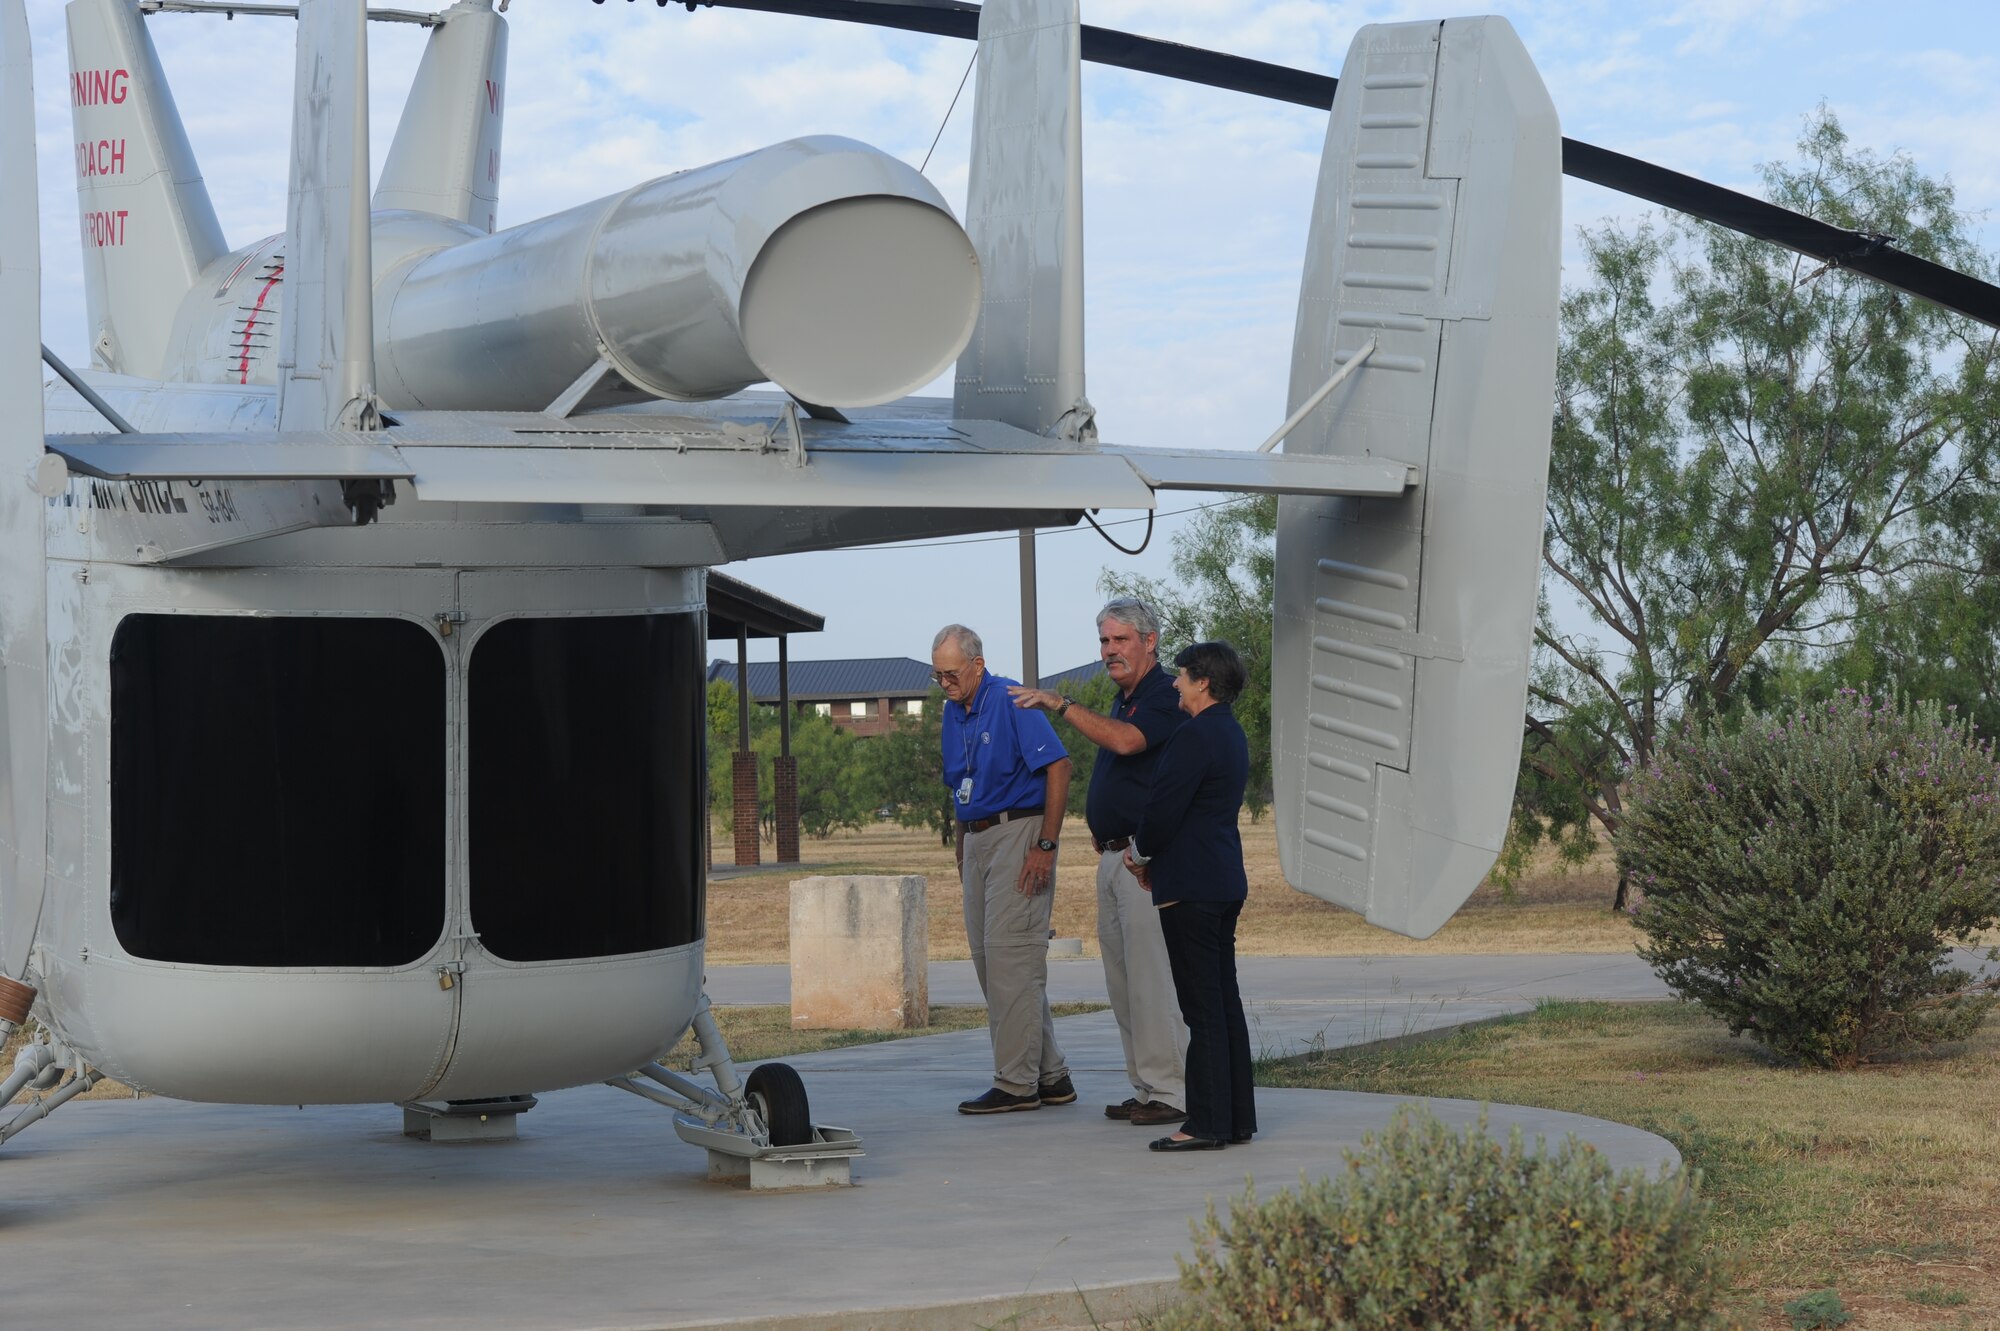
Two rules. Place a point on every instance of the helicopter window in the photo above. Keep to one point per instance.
(584, 795)
(277, 790)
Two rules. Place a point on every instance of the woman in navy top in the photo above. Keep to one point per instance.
(1188, 852)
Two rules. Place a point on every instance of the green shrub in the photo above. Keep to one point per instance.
(1432, 1228)
(1821, 1308)
(1805, 875)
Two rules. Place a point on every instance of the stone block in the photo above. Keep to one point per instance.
(860, 953)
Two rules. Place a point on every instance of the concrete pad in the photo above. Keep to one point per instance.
(172, 1215)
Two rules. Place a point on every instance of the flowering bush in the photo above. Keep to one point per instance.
(1805, 876)
(1432, 1228)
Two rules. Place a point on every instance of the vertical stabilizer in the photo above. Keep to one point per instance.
(1024, 212)
(445, 158)
(147, 226)
(1401, 629)
(23, 588)
(326, 339)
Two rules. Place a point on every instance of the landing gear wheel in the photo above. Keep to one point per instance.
(779, 1097)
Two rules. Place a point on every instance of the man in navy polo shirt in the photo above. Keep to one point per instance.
(1009, 778)
(1136, 969)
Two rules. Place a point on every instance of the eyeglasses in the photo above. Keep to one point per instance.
(947, 676)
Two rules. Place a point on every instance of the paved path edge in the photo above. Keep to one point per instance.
(1059, 1310)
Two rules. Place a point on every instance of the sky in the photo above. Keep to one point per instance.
(1196, 200)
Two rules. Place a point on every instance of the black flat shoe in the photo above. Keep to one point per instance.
(997, 1101)
(1185, 1144)
(1243, 1140)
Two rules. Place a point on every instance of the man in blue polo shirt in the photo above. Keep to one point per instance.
(1137, 973)
(1009, 778)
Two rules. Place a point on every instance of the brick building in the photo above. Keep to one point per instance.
(865, 696)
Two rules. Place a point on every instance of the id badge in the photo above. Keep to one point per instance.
(964, 794)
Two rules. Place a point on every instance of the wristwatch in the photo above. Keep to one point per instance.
(1043, 843)
(1067, 703)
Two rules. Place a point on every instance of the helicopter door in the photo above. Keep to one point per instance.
(584, 700)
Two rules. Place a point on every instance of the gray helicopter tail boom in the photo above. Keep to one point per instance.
(23, 590)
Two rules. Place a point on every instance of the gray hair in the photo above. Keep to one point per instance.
(1132, 612)
(967, 641)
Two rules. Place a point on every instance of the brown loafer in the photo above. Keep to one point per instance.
(1154, 1113)
(1123, 1109)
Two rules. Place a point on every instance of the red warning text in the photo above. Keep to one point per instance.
(492, 98)
(99, 87)
(102, 230)
(106, 157)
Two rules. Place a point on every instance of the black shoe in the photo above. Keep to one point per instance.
(997, 1101)
(1155, 1113)
(1242, 1140)
(1185, 1144)
(1123, 1109)
(1058, 1092)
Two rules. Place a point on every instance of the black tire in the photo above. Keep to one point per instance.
(777, 1094)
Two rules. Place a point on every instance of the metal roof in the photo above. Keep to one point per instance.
(732, 601)
(1075, 675)
(869, 677)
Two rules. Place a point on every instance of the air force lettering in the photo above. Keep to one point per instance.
(1008, 776)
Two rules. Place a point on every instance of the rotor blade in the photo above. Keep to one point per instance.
(1102, 46)
(1871, 256)
(1857, 251)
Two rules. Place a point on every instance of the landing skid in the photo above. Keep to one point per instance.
(38, 1066)
(760, 1132)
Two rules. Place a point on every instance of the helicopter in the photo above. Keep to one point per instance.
(352, 600)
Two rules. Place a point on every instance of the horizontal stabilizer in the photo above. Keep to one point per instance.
(704, 461)
(331, 456)
(1269, 473)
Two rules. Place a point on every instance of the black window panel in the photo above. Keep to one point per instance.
(277, 790)
(585, 786)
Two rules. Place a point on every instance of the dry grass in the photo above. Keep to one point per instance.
(1882, 1183)
(1549, 911)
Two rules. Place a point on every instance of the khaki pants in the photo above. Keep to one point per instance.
(1141, 982)
(1009, 937)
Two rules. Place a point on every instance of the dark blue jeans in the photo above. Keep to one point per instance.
(1201, 948)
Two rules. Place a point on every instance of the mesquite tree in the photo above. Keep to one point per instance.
(1753, 449)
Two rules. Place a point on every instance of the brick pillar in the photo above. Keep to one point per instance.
(743, 805)
(786, 779)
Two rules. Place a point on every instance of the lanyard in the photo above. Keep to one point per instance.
(969, 736)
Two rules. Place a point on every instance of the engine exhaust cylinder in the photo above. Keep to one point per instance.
(820, 264)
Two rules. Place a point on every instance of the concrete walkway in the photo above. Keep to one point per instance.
(1294, 1003)
(172, 1215)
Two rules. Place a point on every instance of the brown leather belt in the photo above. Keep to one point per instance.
(1004, 816)
(1116, 843)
